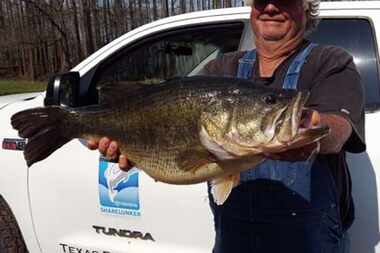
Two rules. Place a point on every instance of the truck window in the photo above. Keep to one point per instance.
(169, 54)
(358, 38)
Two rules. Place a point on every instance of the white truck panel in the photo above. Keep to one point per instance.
(365, 175)
(71, 190)
(14, 180)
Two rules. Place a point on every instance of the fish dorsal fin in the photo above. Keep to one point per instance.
(114, 92)
(221, 187)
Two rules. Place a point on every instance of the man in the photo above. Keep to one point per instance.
(287, 204)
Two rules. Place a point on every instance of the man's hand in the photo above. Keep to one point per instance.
(340, 131)
(109, 149)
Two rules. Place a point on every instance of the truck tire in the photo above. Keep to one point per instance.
(11, 240)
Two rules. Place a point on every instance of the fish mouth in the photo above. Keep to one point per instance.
(288, 125)
(306, 126)
(299, 126)
(310, 119)
(310, 128)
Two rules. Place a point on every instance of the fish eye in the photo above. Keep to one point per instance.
(270, 99)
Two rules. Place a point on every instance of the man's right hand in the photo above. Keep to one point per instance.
(109, 149)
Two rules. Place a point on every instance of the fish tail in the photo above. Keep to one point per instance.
(47, 129)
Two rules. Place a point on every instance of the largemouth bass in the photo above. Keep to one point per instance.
(184, 131)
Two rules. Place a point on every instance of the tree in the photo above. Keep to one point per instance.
(41, 37)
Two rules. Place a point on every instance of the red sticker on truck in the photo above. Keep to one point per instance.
(13, 144)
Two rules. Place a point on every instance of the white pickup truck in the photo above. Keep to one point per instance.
(76, 202)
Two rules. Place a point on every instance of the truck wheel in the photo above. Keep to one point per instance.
(11, 240)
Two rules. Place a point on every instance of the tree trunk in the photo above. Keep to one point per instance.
(77, 30)
(147, 11)
(132, 13)
(88, 27)
(155, 15)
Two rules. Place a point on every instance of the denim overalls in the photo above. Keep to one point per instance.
(280, 206)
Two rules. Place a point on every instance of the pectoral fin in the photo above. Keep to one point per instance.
(221, 187)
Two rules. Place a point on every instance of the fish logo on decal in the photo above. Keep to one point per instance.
(118, 190)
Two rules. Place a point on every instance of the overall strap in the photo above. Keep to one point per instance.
(293, 74)
(282, 171)
(245, 68)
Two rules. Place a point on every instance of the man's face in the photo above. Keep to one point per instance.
(276, 20)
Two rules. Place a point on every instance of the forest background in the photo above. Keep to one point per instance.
(41, 37)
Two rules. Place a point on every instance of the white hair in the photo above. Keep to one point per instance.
(312, 11)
